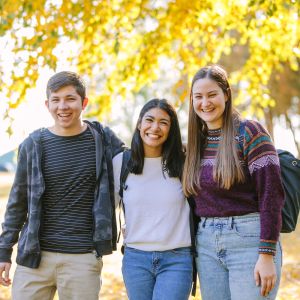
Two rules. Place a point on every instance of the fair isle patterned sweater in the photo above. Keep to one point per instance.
(262, 191)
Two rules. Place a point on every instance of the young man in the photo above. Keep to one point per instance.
(61, 201)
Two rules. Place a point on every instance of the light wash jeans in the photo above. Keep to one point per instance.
(158, 275)
(227, 253)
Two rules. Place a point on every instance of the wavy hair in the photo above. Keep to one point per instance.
(227, 169)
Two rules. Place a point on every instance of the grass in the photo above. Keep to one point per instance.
(112, 283)
(5, 184)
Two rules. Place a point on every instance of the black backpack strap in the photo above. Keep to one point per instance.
(194, 221)
(125, 170)
(99, 127)
(193, 224)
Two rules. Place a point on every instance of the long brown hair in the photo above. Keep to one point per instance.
(227, 169)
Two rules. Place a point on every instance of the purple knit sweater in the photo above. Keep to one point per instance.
(262, 191)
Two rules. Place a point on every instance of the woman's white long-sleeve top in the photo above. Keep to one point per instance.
(156, 210)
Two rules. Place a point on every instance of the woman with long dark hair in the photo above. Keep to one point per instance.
(232, 170)
(157, 262)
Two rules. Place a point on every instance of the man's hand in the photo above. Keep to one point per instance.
(265, 273)
(4, 268)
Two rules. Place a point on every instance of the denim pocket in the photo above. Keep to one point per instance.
(200, 227)
(247, 228)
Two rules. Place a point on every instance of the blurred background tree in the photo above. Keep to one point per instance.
(124, 47)
(129, 51)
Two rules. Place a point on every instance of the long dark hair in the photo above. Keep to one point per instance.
(172, 152)
(227, 170)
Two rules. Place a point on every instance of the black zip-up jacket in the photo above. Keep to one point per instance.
(24, 207)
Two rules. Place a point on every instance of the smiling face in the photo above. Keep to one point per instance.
(154, 130)
(65, 106)
(209, 102)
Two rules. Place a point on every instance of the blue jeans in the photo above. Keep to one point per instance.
(227, 253)
(157, 275)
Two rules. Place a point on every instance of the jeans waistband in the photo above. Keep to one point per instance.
(183, 249)
(229, 220)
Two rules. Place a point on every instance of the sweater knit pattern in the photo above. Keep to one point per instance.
(263, 162)
(261, 192)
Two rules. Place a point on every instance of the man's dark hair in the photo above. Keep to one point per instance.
(65, 78)
(172, 151)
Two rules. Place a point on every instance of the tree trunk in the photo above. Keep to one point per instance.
(290, 125)
(269, 121)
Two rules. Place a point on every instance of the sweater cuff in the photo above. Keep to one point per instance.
(5, 255)
(267, 247)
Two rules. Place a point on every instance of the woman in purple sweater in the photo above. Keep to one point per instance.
(232, 170)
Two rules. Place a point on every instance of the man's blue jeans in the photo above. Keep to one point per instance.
(157, 275)
(227, 253)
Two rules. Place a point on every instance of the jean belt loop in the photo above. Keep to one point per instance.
(231, 220)
(204, 221)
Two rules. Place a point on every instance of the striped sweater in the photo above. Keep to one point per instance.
(261, 192)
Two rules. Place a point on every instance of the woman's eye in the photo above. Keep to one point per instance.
(164, 123)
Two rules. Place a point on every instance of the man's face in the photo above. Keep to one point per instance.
(65, 106)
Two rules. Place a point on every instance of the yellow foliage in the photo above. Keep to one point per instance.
(122, 42)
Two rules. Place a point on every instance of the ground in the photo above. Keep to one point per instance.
(112, 284)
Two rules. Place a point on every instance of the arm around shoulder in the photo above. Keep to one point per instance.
(117, 145)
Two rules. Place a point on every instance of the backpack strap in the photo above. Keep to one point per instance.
(194, 220)
(193, 224)
(99, 127)
(125, 170)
